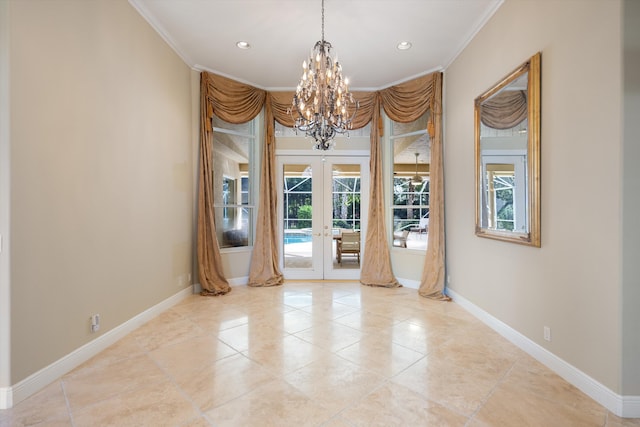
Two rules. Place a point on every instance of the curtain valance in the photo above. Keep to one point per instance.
(406, 102)
(230, 100)
(504, 110)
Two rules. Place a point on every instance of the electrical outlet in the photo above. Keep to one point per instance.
(547, 333)
(95, 323)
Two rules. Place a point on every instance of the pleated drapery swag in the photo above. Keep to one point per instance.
(504, 110)
(236, 102)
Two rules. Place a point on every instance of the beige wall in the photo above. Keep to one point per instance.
(101, 173)
(631, 202)
(5, 293)
(573, 282)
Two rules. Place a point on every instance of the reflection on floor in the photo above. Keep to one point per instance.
(310, 354)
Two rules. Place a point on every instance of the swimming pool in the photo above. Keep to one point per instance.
(296, 238)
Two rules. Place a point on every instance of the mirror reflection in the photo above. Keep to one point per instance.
(411, 160)
(233, 196)
(507, 157)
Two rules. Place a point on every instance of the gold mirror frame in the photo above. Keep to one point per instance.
(530, 232)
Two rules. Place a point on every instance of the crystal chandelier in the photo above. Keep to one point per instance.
(322, 102)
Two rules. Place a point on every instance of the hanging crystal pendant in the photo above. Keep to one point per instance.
(322, 102)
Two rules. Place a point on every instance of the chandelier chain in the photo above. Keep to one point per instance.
(323, 21)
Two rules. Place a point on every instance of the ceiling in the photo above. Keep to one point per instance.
(364, 34)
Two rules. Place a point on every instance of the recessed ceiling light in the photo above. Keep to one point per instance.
(404, 45)
(243, 45)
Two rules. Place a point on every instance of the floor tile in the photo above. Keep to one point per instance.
(531, 376)
(366, 322)
(328, 310)
(191, 355)
(216, 318)
(459, 381)
(380, 354)
(330, 336)
(526, 408)
(333, 354)
(214, 384)
(394, 405)
(168, 328)
(615, 421)
(125, 348)
(200, 421)
(155, 405)
(87, 385)
(47, 406)
(284, 355)
(418, 338)
(276, 403)
(253, 334)
(296, 321)
(334, 382)
(337, 421)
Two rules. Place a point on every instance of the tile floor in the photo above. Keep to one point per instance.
(312, 354)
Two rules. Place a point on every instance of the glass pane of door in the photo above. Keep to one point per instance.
(297, 216)
(346, 182)
(345, 213)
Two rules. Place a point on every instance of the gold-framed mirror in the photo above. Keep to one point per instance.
(507, 157)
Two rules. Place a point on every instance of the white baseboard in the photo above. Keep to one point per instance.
(10, 396)
(236, 281)
(239, 281)
(630, 407)
(6, 398)
(622, 406)
(408, 283)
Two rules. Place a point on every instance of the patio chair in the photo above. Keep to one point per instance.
(400, 238)
(349, 244)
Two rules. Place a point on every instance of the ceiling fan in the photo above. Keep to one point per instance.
(416, 179)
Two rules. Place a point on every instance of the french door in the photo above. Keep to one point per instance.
(319, 198)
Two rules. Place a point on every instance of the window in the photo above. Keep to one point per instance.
(410, 146)
(234, 149)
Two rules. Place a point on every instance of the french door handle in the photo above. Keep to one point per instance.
(317, 234)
